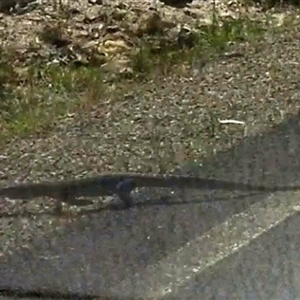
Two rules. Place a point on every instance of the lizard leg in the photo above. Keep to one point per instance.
(58, 207)
(58, 210)
(81, 202)
(67, 197)
(124, 189)
(62, 197)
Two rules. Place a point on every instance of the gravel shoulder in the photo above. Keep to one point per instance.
(154, 126)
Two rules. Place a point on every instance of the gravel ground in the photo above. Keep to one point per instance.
(154, 127)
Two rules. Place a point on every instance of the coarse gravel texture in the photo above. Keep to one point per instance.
(154, 126)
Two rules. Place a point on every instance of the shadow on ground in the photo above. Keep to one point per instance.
(162, 201)
(268, 268)
(94, 254)
(10, 293)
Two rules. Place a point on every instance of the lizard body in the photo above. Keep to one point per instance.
(121, 184)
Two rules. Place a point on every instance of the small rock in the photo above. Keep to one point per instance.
(92, 15)
(150, 23)
(96, 2)
(177, 3)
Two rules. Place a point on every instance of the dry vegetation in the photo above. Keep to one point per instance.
(85, 92)
(84, 53)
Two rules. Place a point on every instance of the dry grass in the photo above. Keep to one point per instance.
(35, 94)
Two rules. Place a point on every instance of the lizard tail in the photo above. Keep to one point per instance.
(15, 193)
(23, 192)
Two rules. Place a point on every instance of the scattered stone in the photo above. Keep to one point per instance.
(177, 3)
(98, 2)
(98, 31)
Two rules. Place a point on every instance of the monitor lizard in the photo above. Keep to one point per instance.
(122, 185)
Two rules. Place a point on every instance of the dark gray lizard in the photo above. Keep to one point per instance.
(121, 185)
